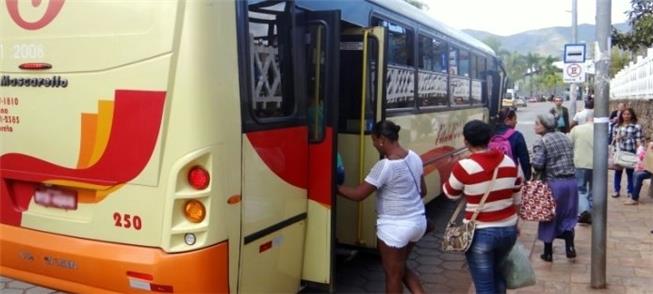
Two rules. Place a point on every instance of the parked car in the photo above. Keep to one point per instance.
(520, 102)
(532, 99)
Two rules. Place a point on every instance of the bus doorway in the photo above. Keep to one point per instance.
(361, 94)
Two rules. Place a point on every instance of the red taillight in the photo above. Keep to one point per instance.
(35, 66)
(199, 178)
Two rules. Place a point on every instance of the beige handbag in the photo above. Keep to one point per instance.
(459, 238)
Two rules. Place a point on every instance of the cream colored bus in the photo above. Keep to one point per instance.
(190, 146)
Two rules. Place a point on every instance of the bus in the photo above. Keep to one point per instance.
(190, 146)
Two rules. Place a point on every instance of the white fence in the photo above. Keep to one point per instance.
(635, 81)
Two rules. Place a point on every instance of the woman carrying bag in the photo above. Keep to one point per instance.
(488, 175)
(627, 136)
(553, 159)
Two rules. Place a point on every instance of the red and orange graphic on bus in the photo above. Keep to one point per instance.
(115, 146)
(52, 10)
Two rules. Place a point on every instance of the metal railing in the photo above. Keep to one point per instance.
(635, 81)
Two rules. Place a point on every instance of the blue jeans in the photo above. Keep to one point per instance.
(617, 180)
(640, 176)
(489, 247)
(584, 183)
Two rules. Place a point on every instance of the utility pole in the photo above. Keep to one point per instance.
(600, 167)
(573, 89)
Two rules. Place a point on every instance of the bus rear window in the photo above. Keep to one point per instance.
(270, 60)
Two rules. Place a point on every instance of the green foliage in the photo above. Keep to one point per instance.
(618, 60)
(640, 18)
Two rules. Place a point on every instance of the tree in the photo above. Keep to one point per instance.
(618, 60)
(640, 19)
(533, 62)
(418, 3)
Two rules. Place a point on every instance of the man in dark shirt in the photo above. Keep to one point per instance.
(561, 115)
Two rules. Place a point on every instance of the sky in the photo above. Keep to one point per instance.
(507, 17)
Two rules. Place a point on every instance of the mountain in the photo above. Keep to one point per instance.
(547, 41)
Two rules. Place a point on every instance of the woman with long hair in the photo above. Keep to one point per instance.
(627, 136)
(399, 184)
(553, 159)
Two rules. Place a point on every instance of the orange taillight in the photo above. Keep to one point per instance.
(194, 211)
(199, 178)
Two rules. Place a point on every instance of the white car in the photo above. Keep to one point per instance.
(520, 102)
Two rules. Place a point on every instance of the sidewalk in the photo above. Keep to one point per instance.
(629, 252)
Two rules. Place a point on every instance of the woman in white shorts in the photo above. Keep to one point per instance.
(399, 182)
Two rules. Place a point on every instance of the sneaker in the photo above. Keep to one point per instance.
(615, 195)
(630, 201)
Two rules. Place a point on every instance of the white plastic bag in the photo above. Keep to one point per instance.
(516, 268)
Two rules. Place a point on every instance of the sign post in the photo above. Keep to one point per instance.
(574, 58)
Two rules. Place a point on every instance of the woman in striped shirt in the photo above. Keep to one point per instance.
(496, 224)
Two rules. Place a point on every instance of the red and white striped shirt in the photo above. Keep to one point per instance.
(472, 177)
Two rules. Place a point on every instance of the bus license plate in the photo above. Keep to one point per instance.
(50, 197)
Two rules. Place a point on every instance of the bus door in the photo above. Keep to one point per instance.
(275, 150)
(361, 95)
(321, 32)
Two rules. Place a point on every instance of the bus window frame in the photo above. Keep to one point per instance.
(323, 83)
(445, 43)
(249, 120)
(374, 19)
(479, 74)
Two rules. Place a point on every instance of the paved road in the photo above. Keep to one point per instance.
(526, 117)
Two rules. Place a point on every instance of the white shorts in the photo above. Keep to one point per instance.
(397, 233)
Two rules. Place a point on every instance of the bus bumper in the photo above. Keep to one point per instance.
(86, 266)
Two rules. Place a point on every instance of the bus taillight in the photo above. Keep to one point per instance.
(194, 211)
(199, 178)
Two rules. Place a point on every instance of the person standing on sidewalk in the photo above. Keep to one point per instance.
(643, 170)
(560, 115)
(553, 159)
(627, 137)
(507, 121)
(582, 141)
(496, 223)
(581, 116)
(399, 181)
(614, 118)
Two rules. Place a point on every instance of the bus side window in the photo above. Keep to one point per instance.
(400, 74)
(478, 80)
(432, 76)
(459, 82)
(315, 75)
(271, 63)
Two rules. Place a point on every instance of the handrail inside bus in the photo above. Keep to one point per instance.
(448, 154)
(361, 137)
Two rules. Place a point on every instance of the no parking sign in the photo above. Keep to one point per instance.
(573, 73)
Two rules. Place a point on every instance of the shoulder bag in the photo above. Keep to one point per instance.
(537, 202)
(458, 238)
(621, 158)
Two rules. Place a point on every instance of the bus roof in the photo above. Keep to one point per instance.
(357, 13)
